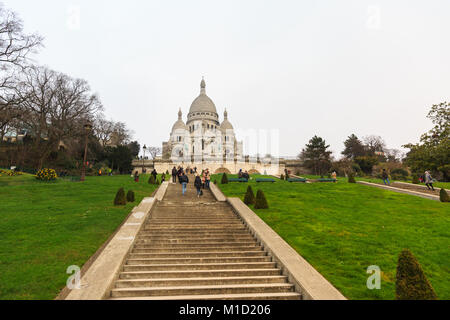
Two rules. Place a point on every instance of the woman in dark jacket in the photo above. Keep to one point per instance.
(198, 185)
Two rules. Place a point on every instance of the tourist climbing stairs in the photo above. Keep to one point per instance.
(198, 249)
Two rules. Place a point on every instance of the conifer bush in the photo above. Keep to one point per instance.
(261, 201)
(120, 199)
(249, 196)
(415, 179)
(224, 179)
(215, 181)
(130, 196)
(351, 178)
(411, 282)
(152, 180)
(443, 196)
(282, 177)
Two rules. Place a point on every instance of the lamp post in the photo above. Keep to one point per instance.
(87, 129)
(143, 159)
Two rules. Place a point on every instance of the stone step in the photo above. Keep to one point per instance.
(193, 226)
(202, 290)
(193, 232)
(238, 296)
(182, 238)
(145, 261)
(200, 266)
(196, 245)
(198, 254)
(199, 281)
(194, 241)
(199, 249)
(199, 273)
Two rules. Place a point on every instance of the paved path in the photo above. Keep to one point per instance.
(198, 249)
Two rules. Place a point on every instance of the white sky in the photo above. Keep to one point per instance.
(330, 68)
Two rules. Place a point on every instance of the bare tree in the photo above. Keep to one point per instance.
(15, 48)
(103, 129)
(154, 152)
(56, 107)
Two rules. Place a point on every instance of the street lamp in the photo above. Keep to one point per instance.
(87, 129)
(143, 158)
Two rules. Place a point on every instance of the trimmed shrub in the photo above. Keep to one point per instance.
(411, 282)
(46, 175)
(224, 179)
(157, 182)
(249, 196)
(120, 199)
(415, 179)
(351, 178)
(286, 177)
(282, 177)
(443, 195)
(152, 180)
(215, 181)
(261, 201)
(400, 172)
(130, 196)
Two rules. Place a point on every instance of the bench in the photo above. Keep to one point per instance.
(237, 180)
(265, 180)
(326, 180)
(296, 180)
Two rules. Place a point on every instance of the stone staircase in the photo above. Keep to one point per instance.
(198, 249)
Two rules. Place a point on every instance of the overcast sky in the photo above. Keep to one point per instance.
(330, 68)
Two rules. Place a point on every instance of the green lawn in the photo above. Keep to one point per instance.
(47, 227)
(342, 229)
(445, 185)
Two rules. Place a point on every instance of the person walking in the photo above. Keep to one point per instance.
(198, 185)
(385, 177)
(203, 179)
(136, 176)
(174, 175)
(208, 179)
(429, 180)
(184, 180)
(154, 174)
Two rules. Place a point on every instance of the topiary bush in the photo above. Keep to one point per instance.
(261, 201)
(415, 179)
(120, 199)
(351, 178)
(215, 181)
(224, 178)
(411, 282)
(443, 196)
(152, 180)
(249, 196)
(130, 196)
(46, 175)
(282, 177)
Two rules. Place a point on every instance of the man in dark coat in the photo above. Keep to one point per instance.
(174, 175)
(184, 180)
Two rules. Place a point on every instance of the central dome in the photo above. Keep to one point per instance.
(203, 103)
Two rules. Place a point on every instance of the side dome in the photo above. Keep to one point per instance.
(180, 123)
(226, 125)
(203, 103)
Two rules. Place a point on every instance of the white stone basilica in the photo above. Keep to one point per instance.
(202, 138)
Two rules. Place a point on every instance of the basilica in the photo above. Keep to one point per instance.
(202, 138)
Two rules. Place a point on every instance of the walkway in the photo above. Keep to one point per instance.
(198, 249)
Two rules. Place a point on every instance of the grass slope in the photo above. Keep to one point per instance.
(342, 229)
(47, 227)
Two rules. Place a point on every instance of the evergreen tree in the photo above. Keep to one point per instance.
(130, 196)
(249, 196)
(411, 282)
(351, 178)
(316, 156)
(443, 195)
(261, 201)
(224, 178)
(353, 148)
(120, 199)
